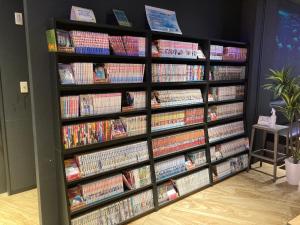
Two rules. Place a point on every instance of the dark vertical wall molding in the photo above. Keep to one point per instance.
(16, 119)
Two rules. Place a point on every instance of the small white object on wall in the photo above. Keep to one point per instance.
(19, 18)
(23, 87)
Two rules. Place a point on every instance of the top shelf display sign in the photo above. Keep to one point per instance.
(162, 20)
(82, 14)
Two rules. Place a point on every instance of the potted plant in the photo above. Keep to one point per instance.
(287, 87)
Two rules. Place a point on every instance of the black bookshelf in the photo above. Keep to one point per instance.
(148, 86)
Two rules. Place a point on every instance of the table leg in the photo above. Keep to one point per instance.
(251, 148)
(275, 155)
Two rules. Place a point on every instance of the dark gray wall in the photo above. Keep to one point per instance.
(206, 18)
(16, 120)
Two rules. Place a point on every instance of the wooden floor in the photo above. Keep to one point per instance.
(246, 199)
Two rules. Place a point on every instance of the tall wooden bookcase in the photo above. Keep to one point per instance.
(148, 86)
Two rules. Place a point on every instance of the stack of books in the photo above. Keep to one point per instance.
(177, 72)
(169, 167)
(226, 93)
(166, 192)
(137, 178)
(175, 49)
(88, 73)
(97, 132)
(135, 100)
(128, 45)
(69, 106)
(224, 131)
(169, 98)
(235, 54)
(85, 165)
(90, 193)
(119, 211)
(177, 142)
(227, 73)
(227, 149)
(124, 72)
(99, 104)
(232, 165)
(195, 159)
(192, 182)
(90, 42)
(169, 120)
(218, 112)
(135, 125)
(218, 52)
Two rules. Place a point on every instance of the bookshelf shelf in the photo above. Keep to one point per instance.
(177, 130)
(92, 88)
(186, 84)
(148, 87)
(226, 120)
(109, 200)
(228, 157)
(183, 196)
(226, 101)
(179, 107)
(228, 176)
(182, 174)
(227, 139)
(157, 159)
(106, 173)
(104, 145)
(178, 60)
(102, 117)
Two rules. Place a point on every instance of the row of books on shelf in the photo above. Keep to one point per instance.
(177, 142)
(226, 93)
(170, 120)
(177, 72)
(177, 49)
(90, 73)
(119, 211)
(227, 73)
(217, 133)
(172, 189)
(173, 166)
(101, 131)
(227, 149)
(94, 192)
(84, 42)
(218, 52)
(218, 112)
(96, 162)
(230, 166)
(100, 104)
(167, 98)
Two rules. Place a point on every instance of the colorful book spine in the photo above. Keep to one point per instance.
(170, 120)
(134, 100)
(177, 72)
(227, 73)
(106, 160)
(224, 131)
(226, 93)
(169, 98)
(170, 167)
(135, 125)
(192, 182)
(69, 106)
(218, 52)
(119, 211)
(90, 42)
(178, 142)
(124, 72)
(218, 112)
(229, 148)
(83, 73)
(137, 178)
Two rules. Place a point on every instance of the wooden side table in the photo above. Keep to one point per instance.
(278, 130)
